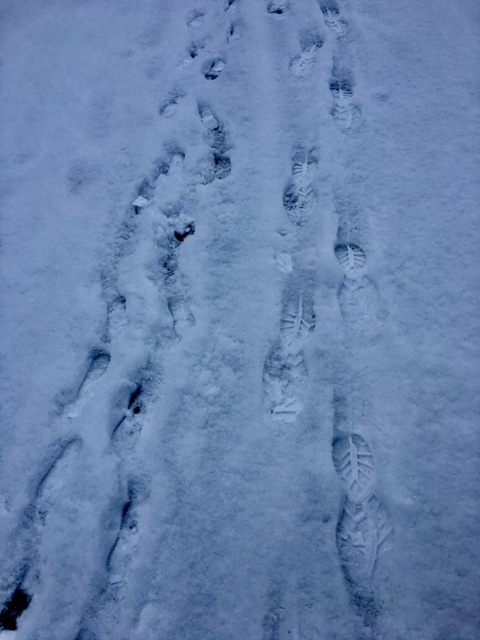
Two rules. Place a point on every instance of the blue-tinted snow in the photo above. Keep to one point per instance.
(239, 320)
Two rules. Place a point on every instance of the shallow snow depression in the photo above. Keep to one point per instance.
(239, 344)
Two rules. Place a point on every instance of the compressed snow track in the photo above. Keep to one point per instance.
(239, 353)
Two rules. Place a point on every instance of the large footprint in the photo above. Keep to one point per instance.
(353, 462)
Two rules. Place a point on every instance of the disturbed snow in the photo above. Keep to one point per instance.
(239, 352)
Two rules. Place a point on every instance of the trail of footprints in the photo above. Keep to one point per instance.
(285, 369)
(364, 531)
(213, 66)
(177, 227)
(21, 578)
(345, 112)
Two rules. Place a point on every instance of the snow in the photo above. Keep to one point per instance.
(239, 320)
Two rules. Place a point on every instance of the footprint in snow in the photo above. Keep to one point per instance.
(298, 201)
(331, 16)
(55, 478)
(285, 369)
(277, 7)
(353, 462)
(284, 262)
(195, 18)
(299, 196)
(182, 316)
(283, 373)
(345, 113)
(146, 191)
(220, 167)
(213, 69)
(364, 534)
(168, 107)
(125, 547)
(97, 367)
(297, 321)
(358, 295)
(302, 65)
(127, 432)
(303, 166)
(234, 32)
(194, 51)
(360, 305)
(351, 258)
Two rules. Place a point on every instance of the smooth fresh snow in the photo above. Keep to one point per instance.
(240, 348)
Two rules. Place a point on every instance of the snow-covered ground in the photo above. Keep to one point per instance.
(240, 348)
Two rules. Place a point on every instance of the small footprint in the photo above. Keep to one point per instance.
(195, 49)
(128, 430)
(125, 547)
(277, 7)
(295, 323)
(360, 303)
(302, 65)
(116, 315)
(146, 190)
(298, 201)
(303, 166)
(195, 18)
(353, 462)
(299, 196)
(283, 375)
(98, 365)
(129, 536)
(284, 262)
(182, 316)
(234, 32)
(184, 227)
(168, 108)
(55, 478)
(193, 52)
(333, 21)
(221, 165)
(209, 120)
(345, 113)
(214, 69)
(176, 162)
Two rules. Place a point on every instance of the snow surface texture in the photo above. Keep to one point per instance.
(239, 320)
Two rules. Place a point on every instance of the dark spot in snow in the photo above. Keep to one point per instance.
(14, 609)
(188, 230)
(134, 396)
